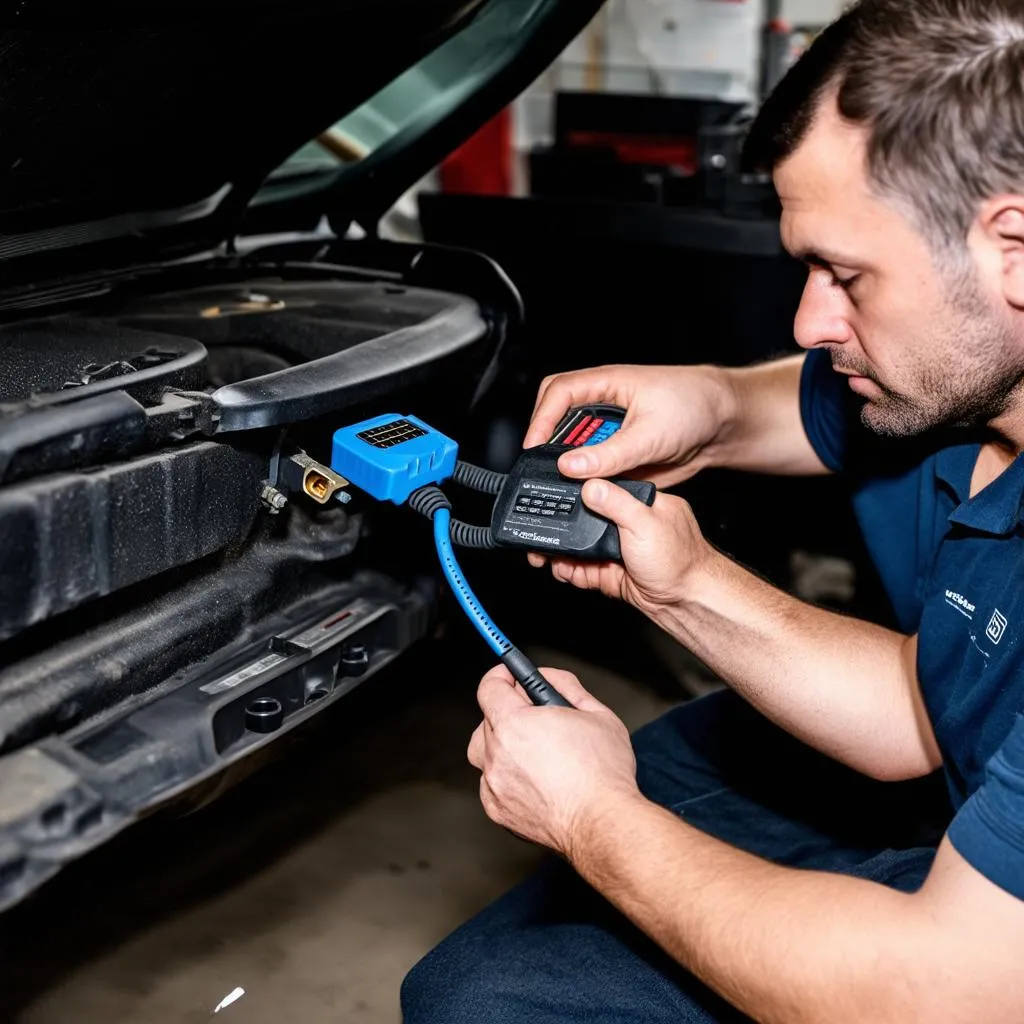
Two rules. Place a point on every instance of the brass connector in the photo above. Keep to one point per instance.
(316, 485)
(319, 482)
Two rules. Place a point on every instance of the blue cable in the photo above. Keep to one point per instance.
(497, 640)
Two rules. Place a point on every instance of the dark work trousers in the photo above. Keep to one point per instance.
(553, 950)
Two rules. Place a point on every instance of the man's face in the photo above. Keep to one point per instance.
(924, 346)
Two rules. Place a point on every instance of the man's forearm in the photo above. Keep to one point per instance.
(846, 687)
(761, 427)
(781, 944)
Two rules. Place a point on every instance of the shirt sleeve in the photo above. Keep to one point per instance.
(825, 409)
(988, 831)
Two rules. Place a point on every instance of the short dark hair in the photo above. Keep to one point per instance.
(938, 84)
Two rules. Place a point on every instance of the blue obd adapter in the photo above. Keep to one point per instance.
(391, 456)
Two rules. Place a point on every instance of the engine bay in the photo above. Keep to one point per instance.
(185, 576)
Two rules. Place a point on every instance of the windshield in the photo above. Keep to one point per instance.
(419, 98)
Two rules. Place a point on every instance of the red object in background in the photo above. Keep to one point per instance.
(483, 164)
(640, 149)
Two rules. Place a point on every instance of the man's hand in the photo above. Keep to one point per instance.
(547, 771)
(661, 546)
(673, 414)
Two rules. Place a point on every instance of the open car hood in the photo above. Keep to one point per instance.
(149, 141)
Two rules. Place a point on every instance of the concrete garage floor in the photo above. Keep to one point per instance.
(314, 885)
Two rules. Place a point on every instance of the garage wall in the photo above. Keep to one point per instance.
(678, 47)
(811, 12)
(693, 47)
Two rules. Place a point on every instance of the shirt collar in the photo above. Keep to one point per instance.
(998, 508)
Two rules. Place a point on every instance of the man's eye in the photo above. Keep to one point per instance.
(846, 283)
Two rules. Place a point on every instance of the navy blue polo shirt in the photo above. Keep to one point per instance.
(953, 567)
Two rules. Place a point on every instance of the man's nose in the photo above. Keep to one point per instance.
(820, 320)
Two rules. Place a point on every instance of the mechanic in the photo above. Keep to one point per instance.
(762, 851)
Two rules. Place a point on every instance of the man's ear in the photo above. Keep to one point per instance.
(1001, 226)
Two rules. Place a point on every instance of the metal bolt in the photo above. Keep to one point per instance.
(274, 498)
(718, 161)
(354, 660)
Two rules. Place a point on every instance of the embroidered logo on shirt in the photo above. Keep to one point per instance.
(962, 605)
(996, 626)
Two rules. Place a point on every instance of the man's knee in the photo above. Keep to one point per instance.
(449, 988)
(424, 991)
(679, 755)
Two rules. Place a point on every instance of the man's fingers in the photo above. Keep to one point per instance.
(477, 747)
(572, 689)
(498, 693)
(537, 561)
(545, 386)
(563, 570)
(488, 799)
(542, 426)
(559, 394)
(617, 504)
(551, 405)
(603, 576)
(620, 454)
(577, 573)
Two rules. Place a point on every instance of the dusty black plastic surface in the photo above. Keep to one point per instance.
(420, 267)
(86, 357)
(69, 793)
(73, 537)
(38, 440)
(356, 374)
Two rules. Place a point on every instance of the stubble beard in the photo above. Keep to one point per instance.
(975, 373)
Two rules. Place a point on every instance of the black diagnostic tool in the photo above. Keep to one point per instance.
(538, 509)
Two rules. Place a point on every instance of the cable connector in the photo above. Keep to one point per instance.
(476, 478)
(300, 472)
(429, 500)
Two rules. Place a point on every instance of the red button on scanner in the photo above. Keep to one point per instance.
(577, 430)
